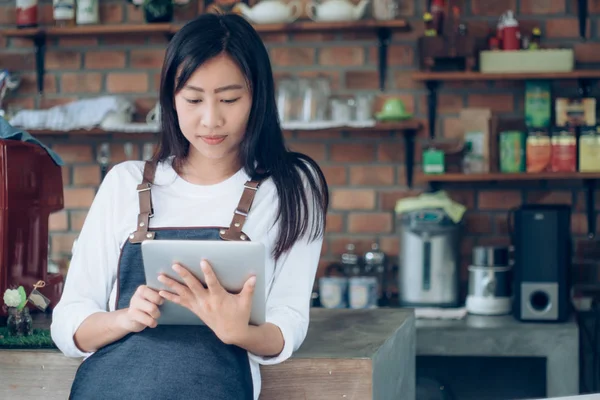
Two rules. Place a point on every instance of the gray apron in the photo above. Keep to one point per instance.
(169, 361)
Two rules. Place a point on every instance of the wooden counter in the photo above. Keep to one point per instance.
(349, 354)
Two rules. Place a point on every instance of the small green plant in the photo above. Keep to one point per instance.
(16, 298)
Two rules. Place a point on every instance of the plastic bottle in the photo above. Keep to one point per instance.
(511, 38)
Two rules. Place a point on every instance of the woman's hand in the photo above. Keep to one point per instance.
(227, 314)
(142, 311)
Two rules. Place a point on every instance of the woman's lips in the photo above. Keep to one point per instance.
(213, 140)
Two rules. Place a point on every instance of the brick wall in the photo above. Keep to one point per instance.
(365, 171)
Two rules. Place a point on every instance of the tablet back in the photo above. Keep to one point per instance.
(233, 263)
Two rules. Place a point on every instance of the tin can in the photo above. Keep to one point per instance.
(363, 292)
(333, 291)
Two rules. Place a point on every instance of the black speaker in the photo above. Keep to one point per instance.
(542, 261)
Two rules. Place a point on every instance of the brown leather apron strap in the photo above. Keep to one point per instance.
(241, 213)
(146, 209)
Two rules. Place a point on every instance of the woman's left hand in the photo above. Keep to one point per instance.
(225, 313)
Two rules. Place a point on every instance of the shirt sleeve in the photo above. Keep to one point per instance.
(288, 303)
(92, 270)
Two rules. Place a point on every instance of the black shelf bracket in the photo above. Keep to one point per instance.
(39, 41)
(590, 205)
(383, 38)
(432, 88)
(409, 155)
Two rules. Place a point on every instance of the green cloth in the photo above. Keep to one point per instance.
(40, 339)
(439, 199)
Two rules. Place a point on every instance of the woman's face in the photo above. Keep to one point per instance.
(213, 109)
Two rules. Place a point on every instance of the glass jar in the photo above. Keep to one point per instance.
(19, 322)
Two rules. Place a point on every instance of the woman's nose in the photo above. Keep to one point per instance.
(212, 117)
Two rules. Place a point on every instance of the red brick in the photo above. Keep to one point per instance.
(58, 221)
(117, 152)
(318, 134)
(579, 224)
(565, 28)
(62, 243)
(314, 150)
(74, 153)
(477, 223)
(464, 197)
(29, 83)
(78, 198)
(352, 199)
(492, 8)
(48, 102)
(335, 175)
(498, 199)
(447, 103)
(390, 245)
(77, 42)
(547, 197)
(403, 80)
(370, 222)
(105, 59)
(496, 102)
(269, 37)
(66, 174)
(398, 55)
(343, 56)
(390, 152)
(127, 82)
(111, 13)
(584, 52)
(292, 56)
(129, 40)
(61, 60)
(388, 199)
(452, 128)
(81, 82)
(147, 58)
(352, 152)
(77, 219)
(501, 223)
(312, 37)
(8, 14)
(46, 14)
(86, 175)
(17, 61)
(542, 6)
(593, 6)
(134, 14)
(335, 222)
(372, 175)
(362, 80)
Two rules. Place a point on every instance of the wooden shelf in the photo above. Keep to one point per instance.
(117, 29)
(496, 177)
(404, 126)
(480, 76)
(382, 30)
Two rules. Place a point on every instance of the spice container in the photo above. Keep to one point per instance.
(589, 149)
(564, 151)
(538, 151)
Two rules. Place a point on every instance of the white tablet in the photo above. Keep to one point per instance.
(233, 262)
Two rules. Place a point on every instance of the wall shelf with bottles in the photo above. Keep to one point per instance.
(587, 178)
(383, 30)
(409, 130)
(432, 81)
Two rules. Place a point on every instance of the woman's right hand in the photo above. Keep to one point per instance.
(142, 311)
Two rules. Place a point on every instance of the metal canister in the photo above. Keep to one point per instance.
(490, 281)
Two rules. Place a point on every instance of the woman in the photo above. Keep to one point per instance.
(221, 173)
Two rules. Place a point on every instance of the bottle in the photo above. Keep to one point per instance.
(27, 13)
(511, 38)
(350, 262)
(63, 12)
(437, 11)
(375, 265)
(87, 12)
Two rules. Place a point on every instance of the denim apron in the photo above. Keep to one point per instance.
(169, 361)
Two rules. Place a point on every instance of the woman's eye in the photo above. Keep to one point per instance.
(229, 101)
(193, 101)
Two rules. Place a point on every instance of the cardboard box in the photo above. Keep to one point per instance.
(476, 124)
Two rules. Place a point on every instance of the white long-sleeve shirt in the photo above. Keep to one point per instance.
(90, 285)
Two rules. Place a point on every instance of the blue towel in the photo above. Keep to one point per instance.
(7, 131)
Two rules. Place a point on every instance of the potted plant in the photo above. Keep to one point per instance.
(19, 322)
(158, 11)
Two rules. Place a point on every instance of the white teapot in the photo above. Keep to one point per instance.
(336, 10)
(271, 11)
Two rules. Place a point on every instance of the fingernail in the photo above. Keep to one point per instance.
(203, 264)
(252, 280)
(161, 278)
(175, 267)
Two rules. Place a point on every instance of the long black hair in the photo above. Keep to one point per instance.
(263, 152)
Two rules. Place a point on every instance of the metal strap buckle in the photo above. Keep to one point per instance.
(250, 187)
(145, 189)
(237, 211)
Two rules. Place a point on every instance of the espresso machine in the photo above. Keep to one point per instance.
(31, 189)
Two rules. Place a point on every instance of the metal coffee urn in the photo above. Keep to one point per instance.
(428, 274)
